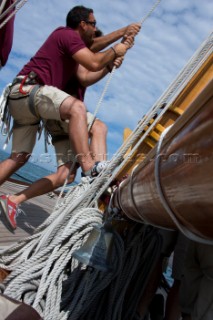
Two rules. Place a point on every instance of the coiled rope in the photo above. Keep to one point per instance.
(80, 200)
(87, 293)
(42, 263)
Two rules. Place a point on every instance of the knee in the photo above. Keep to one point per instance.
(77, 110)
(99, 128)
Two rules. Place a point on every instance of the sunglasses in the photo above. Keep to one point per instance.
(92, 23)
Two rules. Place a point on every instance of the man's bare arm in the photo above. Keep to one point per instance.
(87, 78)
(97, 61)
(102, 42)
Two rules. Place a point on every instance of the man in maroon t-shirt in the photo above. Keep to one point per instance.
(6, 35)
(52, 68)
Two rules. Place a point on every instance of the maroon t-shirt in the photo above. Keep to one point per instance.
(53, 62)
(75, 89)
(6, 35)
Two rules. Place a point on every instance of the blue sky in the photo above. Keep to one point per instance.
(167, 40)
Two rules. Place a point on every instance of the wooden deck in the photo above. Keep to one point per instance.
(35, 211)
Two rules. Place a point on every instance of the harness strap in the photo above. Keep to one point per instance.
(31, 99)
(29, 79)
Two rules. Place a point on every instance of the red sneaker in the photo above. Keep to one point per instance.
(9, 210)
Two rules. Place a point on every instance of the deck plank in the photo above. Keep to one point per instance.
(35, 212)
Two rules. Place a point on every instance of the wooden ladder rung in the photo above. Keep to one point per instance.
(160, 128)
(177, 110)
(154, 135)
(149, 142)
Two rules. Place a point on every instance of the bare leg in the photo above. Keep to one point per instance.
(45, 185)
(74, 110)
(98, 135)
(12, 164)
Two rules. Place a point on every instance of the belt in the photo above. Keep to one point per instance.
(29, 79)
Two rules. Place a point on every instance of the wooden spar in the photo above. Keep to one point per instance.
(185, 169)
(174, 112)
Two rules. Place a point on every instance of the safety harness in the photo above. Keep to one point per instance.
(5, 116)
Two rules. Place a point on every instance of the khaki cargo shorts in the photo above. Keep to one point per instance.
(60, 139)
(47, 101)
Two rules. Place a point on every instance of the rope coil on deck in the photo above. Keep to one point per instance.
(23, 259)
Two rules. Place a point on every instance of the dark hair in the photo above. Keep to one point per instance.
(76, 15)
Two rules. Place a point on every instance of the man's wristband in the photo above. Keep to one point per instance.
(114, 51)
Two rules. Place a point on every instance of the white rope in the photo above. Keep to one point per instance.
(49, 270)
(114, 68)
(8, 9)
(64, 186)
(5, 117)
(106, 177)
(46, 257)
(150, 12)
(166, 100)
(102, 97)
(80, 224)
(2, 5)
(18, 4)
(100, 184)
(101, 100)
(3, 101)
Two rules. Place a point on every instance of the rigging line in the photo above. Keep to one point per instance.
(103, 95)
(19, 4)
(113, 69)
(16, 3)
(9, 8)
(2, 5)
(185, 75)
(168, 97)
(150, 11)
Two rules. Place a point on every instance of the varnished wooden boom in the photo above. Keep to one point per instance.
(186, 168)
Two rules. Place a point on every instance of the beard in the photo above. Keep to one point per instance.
(88, 40)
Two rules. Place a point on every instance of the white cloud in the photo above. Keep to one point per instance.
(167, 40)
